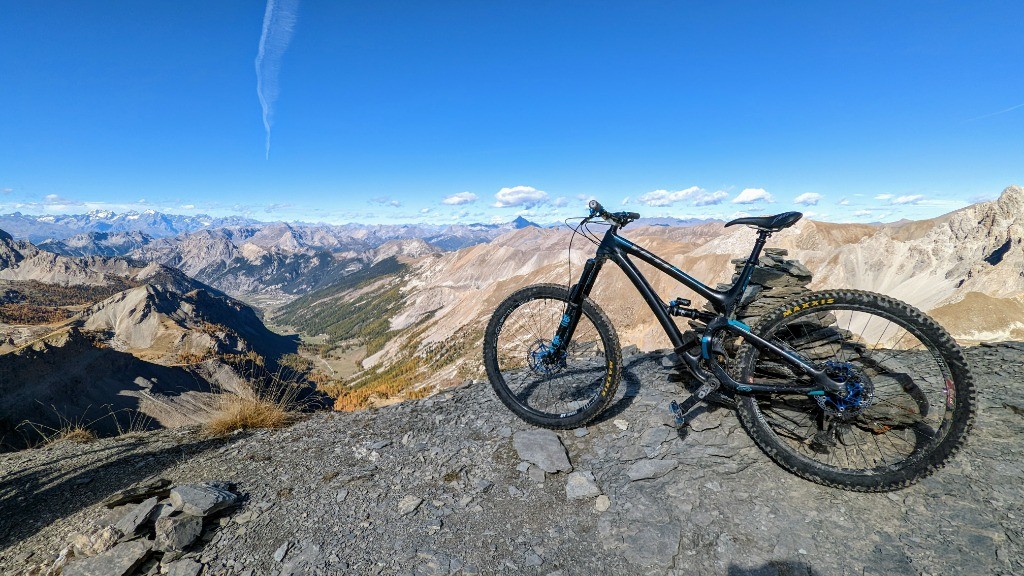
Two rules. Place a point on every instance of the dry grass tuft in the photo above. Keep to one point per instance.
(272, 401)
(74, 433)
(239, 413)
(67, 430)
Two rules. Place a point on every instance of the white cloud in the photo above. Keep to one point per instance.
(667, 198)
(560, 202)
(188, 206)
(706, 199)
(862, 213)
(6, 190)
(424, 210)
(694, 195)
(844, 202)
(460, 198)
(807, 199)
(57, 202)
(914, 199)
(751, 195)
(385, 201)
(525, 196)
(625, 201)
(883, 197)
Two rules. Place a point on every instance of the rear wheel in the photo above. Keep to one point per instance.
(907, 406)
(531, 379)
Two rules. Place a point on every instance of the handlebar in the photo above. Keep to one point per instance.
(619, 219)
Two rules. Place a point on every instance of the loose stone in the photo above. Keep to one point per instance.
(542, 448)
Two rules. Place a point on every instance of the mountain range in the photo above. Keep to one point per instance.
(389, 309)
(965, 267)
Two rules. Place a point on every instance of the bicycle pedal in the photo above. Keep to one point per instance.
(678, 413)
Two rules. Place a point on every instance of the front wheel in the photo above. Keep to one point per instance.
(908, 401)
(531, 378)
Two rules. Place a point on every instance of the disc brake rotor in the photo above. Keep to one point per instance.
(858, 395)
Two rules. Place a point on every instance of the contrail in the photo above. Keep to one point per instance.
(1010, 109)
(278, 25)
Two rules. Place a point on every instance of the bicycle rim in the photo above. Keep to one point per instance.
(542, 385)
(898, 406)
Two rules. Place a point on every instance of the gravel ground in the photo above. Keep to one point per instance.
(438, 486)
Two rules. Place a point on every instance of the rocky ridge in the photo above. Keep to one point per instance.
(455, 484)
(116, 344)
(97, 244)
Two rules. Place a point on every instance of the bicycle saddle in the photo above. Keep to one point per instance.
(773, 223)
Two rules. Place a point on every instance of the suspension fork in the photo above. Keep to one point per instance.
(571, 315)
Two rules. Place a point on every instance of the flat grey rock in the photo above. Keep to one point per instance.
(133, 522)
(177, 532)
(409, 504)
(159, 488)
(302, 560)
(580, 485)
(118, 561)
(646, 469)
(201, 499)
(542, 448)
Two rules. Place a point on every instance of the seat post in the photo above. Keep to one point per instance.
(736, 292)
(763, 234)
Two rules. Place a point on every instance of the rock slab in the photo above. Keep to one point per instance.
(581, 485)
(177, 532)
(542, 448)
(118, 561)
(202, 499)
(647, 469)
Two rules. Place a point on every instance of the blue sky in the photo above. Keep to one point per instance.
(480, 111)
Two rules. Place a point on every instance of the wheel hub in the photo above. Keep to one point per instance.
(542, 358)
(857, 397)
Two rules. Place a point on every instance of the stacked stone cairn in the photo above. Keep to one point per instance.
(149, 530)
(775, 281)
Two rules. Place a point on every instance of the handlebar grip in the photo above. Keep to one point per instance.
(632, 215)
(596, 207)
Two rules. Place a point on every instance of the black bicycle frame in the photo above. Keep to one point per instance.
(617, 249)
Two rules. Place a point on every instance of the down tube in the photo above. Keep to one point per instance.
(650, 297)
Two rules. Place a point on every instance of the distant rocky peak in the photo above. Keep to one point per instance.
(1012, 199)
(13, 251)
(521, 222)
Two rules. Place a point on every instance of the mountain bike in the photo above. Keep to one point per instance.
(845, 388)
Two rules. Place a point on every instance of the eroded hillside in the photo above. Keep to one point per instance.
(110, 344)
(428, 319)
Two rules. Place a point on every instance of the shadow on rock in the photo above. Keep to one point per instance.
(37, 495)
(773, 568)
(631, 383)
